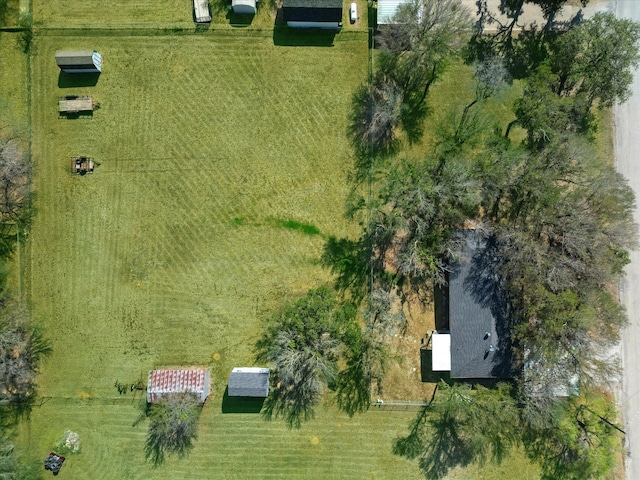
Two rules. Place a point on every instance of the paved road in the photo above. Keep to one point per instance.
(627, 141)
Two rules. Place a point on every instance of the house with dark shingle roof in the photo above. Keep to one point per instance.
(478, 345)
(325, 14)
(249, 382)
(79, 61)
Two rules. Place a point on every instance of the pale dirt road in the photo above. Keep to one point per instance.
(627, 143)
(532, 14)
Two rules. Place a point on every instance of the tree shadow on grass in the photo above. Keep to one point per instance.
(435, 442)
(292, 37)
(413, 445)
(11, 414)
(445, 449)
(241, 404)
(353, 388)
(172, 426)
(75, 80)
(8, 242)
(413, 118)
(524, 53)
(371, 129)
(350, 261)
(239, 21)
(290, 405)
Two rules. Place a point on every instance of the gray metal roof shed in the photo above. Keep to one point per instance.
(249, 382)
(244, 7)
(79, 61)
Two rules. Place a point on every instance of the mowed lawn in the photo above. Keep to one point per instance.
(64, 13)
(14, 117)
(213, 151)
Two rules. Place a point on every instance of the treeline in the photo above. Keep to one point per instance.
(22, 344)
(557, 218)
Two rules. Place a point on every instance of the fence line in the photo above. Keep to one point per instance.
(398, 406)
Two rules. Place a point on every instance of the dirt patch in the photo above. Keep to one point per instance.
(403, 381)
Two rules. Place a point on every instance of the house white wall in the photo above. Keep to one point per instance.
(387, 9)
(244, 7)
(97, 60)
(327, 25)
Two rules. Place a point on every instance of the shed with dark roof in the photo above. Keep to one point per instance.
(79, 61)
(325, 14)
(479, 341)
(178, 380)
(249, 382)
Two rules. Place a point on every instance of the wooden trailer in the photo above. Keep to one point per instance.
(75, 104)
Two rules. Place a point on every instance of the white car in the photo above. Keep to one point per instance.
(353, 13)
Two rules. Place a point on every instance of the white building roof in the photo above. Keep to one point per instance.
(244, 6)
(387, 9)
(441, 352)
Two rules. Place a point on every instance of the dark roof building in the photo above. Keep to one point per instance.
(79, 61)
(249, 382)
(479, 343)
(313, 13)
(178, 380)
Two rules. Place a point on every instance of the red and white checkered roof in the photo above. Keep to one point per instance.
(176, 380)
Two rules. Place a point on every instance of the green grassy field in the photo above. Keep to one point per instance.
(14, 93)
(223, 166)
(14, 119)
(212, 154)
(10, 13)
(112, 13)
(161, 14)
(182, 229)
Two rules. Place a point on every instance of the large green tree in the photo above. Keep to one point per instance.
(14, 468)
(418, 206)
(582, 443)
(173, 424)
(462, 426)
(302, 344)
(420, 38)
(21, 348)
(415, 47)
(14, 180)
(367, 351)
(596, 58)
